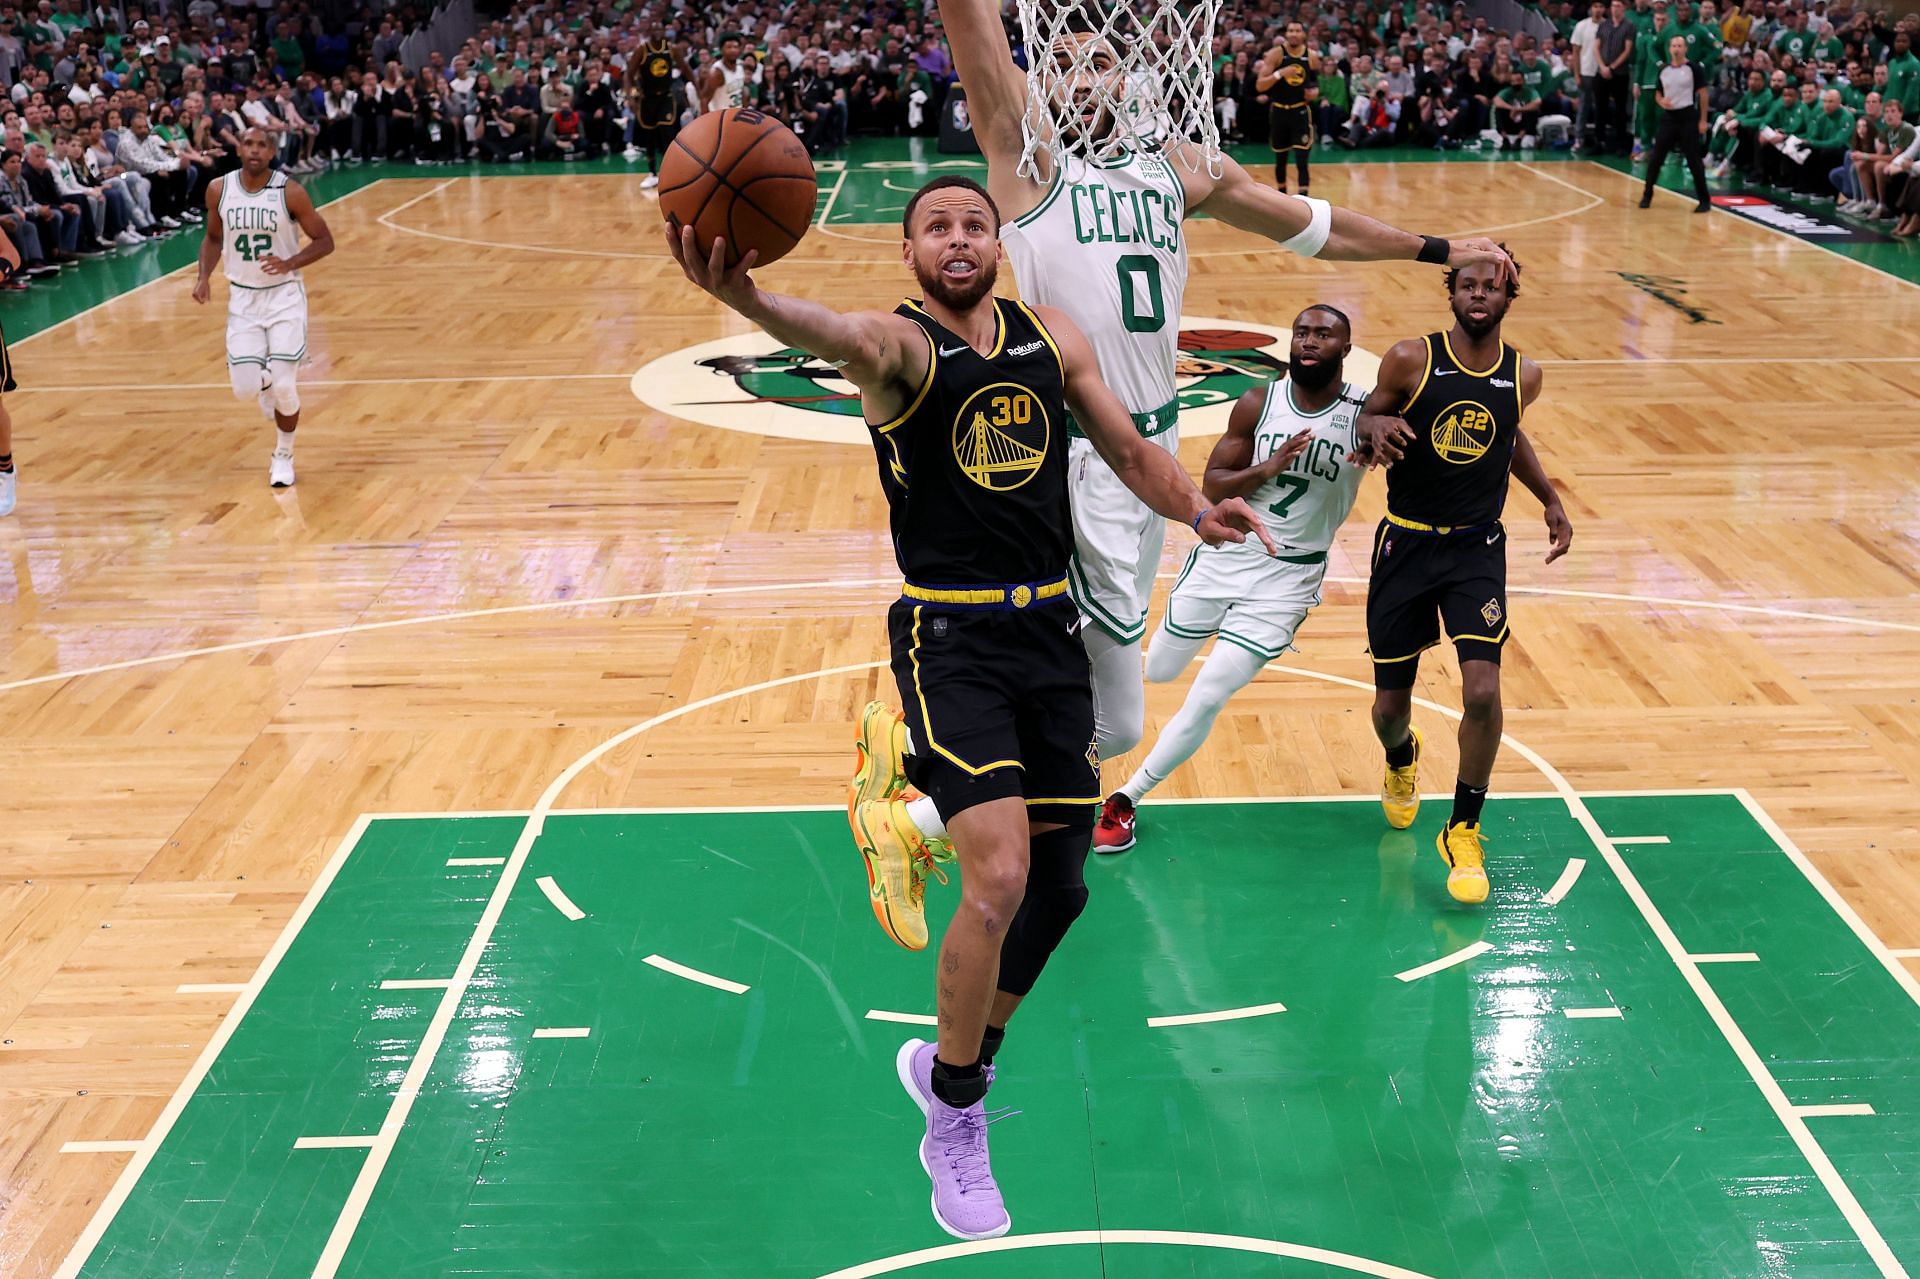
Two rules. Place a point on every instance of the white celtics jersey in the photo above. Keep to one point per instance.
(733, 87)
(1105, 245)
(1305, 505)
(256, 226)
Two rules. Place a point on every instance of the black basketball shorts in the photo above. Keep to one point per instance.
(999, 704)
(1290, 128)
(1422, 579)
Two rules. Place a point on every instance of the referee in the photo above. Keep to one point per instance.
(1683, 122)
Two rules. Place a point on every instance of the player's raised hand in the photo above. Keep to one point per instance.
(710, 272)
(1462, 253)
(1283, 456)
(1559, 532)
(1230, 521)
(1380, 440)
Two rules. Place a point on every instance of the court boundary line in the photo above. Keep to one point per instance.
(1788, 236)
(123, 1186)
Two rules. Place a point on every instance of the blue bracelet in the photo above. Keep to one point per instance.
(1199, 517)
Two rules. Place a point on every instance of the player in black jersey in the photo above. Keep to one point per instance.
(1287, 76)
(1445, 416)
(650, 72)
(966, 396)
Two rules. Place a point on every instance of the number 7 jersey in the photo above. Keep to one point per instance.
(256, 225)
(1305, 504)
(1105, 245)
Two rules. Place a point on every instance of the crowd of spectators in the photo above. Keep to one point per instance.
(118, 118)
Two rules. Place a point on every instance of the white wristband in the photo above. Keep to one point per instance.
(1309, 242)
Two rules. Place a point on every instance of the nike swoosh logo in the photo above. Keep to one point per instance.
(1445, 372)
(946, 354)
(1492, 538)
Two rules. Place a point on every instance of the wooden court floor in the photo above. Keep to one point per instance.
(498, 557)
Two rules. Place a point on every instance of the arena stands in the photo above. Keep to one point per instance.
(119, 123)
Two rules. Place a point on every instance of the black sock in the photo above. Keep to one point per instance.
(958, 1086)
(990, 1044)
(1467, 802)
(1402, 755)
(6, 463)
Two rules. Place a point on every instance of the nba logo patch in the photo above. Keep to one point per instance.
(937, 626)
(1491, 611)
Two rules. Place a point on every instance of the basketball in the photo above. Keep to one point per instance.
(743, 176)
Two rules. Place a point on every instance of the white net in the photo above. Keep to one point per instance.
(1109, 76)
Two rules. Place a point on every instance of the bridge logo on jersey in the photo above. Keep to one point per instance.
(750, 383)
(1463, 432)
(1000, 436)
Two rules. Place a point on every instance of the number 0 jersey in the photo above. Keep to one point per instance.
(1466, 425)
(975, 468)
(1105, 245)
(256, 225)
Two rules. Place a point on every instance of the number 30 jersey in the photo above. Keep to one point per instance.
(256, 225)
(1305, 504)
(1105, 245)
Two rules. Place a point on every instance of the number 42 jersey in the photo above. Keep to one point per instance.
(1105, 245)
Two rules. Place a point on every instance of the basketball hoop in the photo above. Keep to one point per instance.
(1146, 74)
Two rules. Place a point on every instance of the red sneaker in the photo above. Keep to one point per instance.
(1113, 833)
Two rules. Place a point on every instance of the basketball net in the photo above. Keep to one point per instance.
(1158, 89)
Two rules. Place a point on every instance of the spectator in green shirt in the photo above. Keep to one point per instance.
(1824, 127)
(1903, 75)
(1794, 38)
(1649, 55)
(1703, 38)
(288, 56)
(1516, 110)
(1735, 132)
(1870, 167)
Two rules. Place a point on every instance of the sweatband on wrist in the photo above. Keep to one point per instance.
(1199, 517)
(1433, 249)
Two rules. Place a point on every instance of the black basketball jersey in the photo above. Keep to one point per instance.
(1290, 90)
(975, 468)
(1466, 424)
(656, 71)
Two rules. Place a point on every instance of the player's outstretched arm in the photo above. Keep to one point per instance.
(319, 235)
(211, 241)
(1315, 229)
(996, 89)
(1527, 469)
(876, 352)
(1382, 433)
(1231, 471)
(1152, 474)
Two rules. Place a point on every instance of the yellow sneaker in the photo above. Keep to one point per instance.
(1466, 858)
(898, 858)
(879, 757)
(1400, 793)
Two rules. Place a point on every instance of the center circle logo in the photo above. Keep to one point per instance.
(751, 383)
(1000, 436)
(1462, 432)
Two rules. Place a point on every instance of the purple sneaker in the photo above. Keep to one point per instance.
(966, 1202)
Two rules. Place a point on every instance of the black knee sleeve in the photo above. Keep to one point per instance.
(1300, 159)
(1056, 894)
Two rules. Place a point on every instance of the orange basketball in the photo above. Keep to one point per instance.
(743, 176)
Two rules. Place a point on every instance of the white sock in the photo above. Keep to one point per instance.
(1119, 692)
(926, 816)
(284, 442)
(1227, 670)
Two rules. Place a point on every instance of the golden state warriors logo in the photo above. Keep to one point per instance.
(1295, 75)
(1000, 436)
(1463, 432)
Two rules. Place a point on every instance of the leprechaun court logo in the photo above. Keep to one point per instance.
(751, 383)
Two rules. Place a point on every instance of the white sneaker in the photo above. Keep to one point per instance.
(280, 474)
(649, 182)
(9, 482)
(631, 153)
(171, 223)
(1526, 142)
(130, 238)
